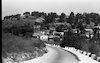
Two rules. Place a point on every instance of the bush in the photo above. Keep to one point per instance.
(70, 39)
(22, 30)
(57, 41)
(18, 27)
(12, 43)
(95, 48)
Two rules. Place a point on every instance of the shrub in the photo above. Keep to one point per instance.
(95, 48)
(12, 43)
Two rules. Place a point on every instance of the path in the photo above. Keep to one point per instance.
(54, 55)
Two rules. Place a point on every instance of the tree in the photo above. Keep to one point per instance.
(18, 16)
(6, 18)
(97, 19)
(50, 18)
(37, 14)
(80, 27)
(27, 14)
(43, 15)
(78, 18)
(66, 39)
(60, 28)
(62, 17)
(71, 18)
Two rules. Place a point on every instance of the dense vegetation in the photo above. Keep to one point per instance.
(80, 42)
(25, 27)
(17, 39)
(17, 46)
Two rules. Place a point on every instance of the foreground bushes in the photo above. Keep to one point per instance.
(15, 44)
(17, 40)
(82, 43)
(95, 49)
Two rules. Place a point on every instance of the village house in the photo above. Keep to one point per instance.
(39, 20)
(89, 33)
(76, 31)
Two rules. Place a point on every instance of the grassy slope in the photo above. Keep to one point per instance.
(14, 43)
(11, 43)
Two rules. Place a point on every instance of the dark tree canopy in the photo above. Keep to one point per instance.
(62, 17)
(71, 18)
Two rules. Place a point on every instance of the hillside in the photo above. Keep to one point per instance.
(17, 40)
(15, 45)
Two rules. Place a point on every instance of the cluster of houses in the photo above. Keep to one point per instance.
(51, 33)
(89, 28)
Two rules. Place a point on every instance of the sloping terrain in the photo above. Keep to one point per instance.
(16, 46)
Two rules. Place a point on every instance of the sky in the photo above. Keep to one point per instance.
(10, 7)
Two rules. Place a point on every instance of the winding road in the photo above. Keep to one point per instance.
(55, 55)
(59, 55)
